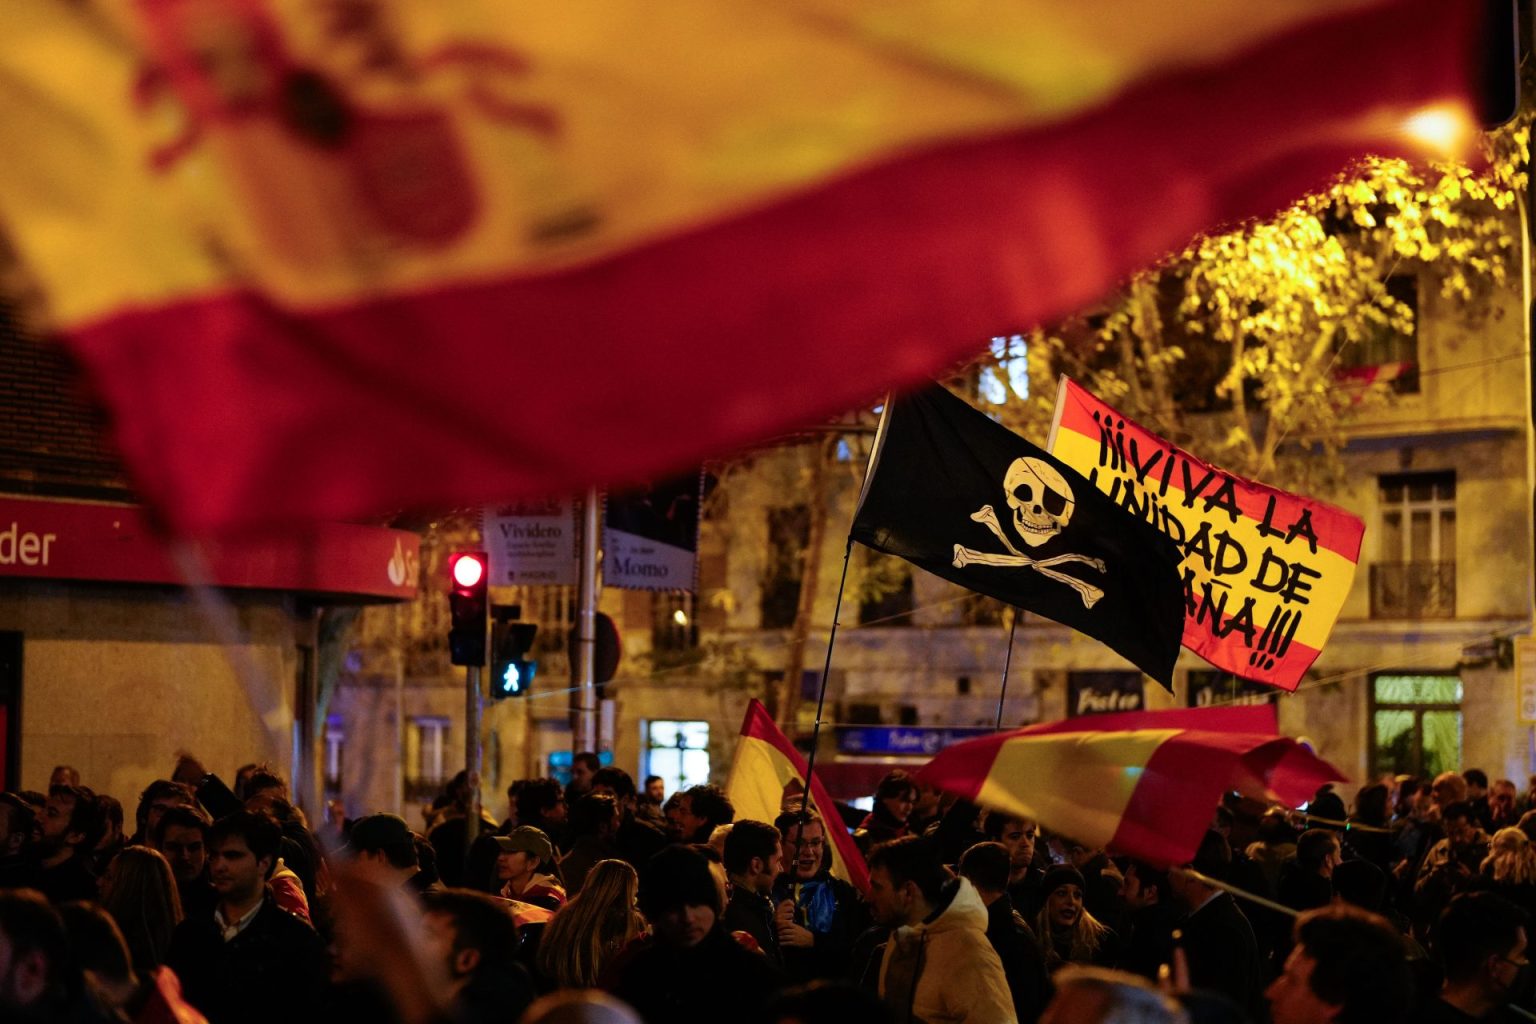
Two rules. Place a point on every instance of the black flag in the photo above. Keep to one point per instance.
(969, 500)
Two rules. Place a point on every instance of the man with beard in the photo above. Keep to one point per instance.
(181, 836)
(250, 961)
(475, 938)
(67, 831)
(818, 917)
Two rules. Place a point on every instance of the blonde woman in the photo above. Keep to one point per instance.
(139, 891)
(1068, 933)
(586, 934)
(1510, 868)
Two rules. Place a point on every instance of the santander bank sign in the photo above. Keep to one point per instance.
(49, 539)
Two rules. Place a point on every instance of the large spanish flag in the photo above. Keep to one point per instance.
(324, 258)
(1265, 571)
(1144, 784)
(765, 767)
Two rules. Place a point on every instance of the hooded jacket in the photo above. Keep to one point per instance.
(944, 970)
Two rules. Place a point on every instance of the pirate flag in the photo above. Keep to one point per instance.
(963, 497)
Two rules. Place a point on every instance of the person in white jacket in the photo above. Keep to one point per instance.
(938, 967)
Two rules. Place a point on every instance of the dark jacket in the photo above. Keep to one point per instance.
(752, 913)
(71, 880)
(836, 915)
(275, 970)
(638, 840)
(1023, 963)
(703, 984)
(1222, 953)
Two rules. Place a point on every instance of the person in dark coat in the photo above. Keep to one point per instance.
(1307, 882)
(690, 971)
(752, 858)
(638, 838)
(477, 940)
(819, 917)
(1218, 940)
(67, 831)
(250, 961)
(895, 797)
(986, 865)
(1147, 921)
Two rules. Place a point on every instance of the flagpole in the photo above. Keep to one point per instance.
(821, 694)
(1002, 694)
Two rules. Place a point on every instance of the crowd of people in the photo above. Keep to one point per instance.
(597, 901)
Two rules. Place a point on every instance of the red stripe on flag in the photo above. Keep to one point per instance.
(1175, 799)
(759, 725)
(233, 411)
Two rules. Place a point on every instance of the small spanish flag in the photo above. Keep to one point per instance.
(766, 767)
(1144, 784)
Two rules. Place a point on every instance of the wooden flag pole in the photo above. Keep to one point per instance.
(1002, 694)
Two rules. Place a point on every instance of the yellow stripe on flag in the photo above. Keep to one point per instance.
(1078, 783)
(759, 773)
(1325, 595)
(555, 134)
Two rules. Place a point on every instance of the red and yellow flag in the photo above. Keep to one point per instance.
(1143, 784)
(1265, 571)
(326, 258)
(766, 767)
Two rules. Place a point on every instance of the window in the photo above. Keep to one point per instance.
(673, 627)
(1414, 576)
(428, 751)
(678, 752)
(1008, 373)
(789, 533)
(1385, 354)
(886, 591)
(1415, 724)
(334, 739)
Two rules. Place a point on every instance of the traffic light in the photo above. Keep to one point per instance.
(466, 607)
(511, 668)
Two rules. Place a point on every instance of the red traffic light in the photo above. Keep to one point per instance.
(467, 570)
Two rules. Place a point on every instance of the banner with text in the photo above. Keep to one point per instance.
(532, 543)
(1265, 571)
(651, 536)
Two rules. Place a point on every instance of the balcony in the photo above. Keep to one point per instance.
(1413, 590)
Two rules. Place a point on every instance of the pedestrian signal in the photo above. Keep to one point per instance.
(512, 670)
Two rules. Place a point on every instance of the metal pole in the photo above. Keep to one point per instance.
(821, 696)
(472, 753)
(1002, 694)
(586, 666)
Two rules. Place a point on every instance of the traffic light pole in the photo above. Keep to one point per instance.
(472, 753)
(586, 653)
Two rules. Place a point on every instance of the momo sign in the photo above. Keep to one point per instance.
(1265, 572)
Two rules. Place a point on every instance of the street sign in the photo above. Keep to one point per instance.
(531, 543)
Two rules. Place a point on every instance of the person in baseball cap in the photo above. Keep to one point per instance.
(526, 865)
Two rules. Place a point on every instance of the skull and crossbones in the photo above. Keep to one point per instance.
(1042, 505)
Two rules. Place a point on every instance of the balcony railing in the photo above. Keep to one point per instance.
(1413, 590)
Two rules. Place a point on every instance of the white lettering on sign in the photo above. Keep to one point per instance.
(1090, 702)
(18, 548)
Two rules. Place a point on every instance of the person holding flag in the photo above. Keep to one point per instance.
(819, 916)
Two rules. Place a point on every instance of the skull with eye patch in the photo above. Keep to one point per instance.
(1042, 502)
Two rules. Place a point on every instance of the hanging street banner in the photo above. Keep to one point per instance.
(531, 543)
(956, 493)
(651, 536)
(1265, 572)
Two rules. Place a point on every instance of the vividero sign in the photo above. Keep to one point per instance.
(50, 539)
